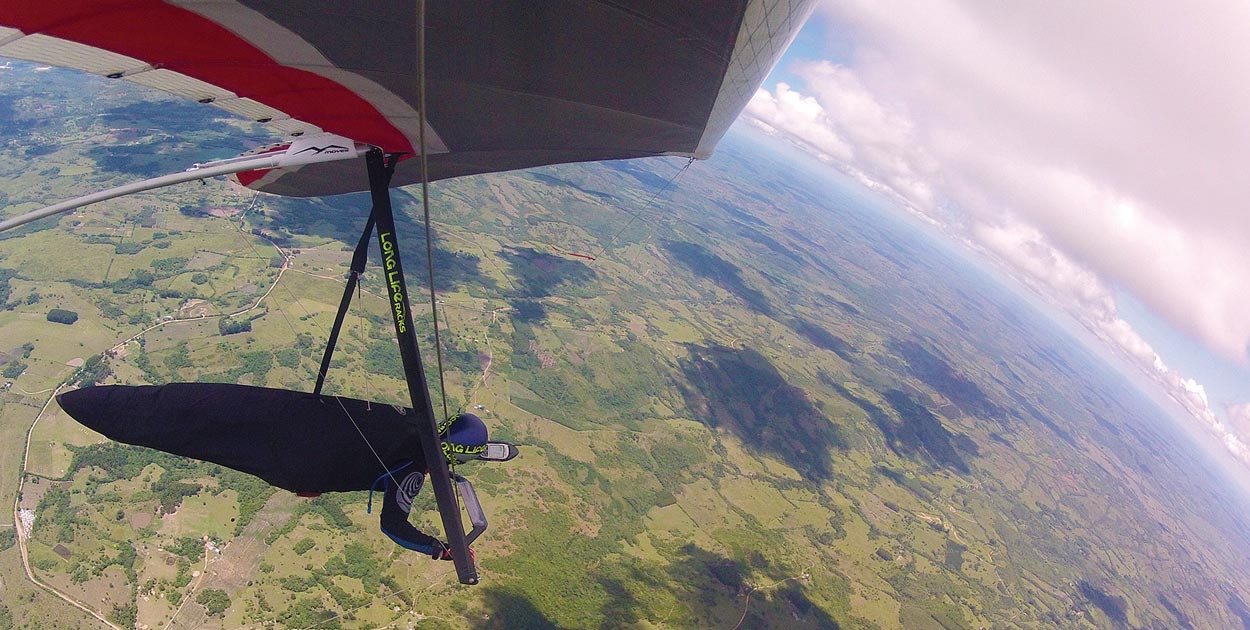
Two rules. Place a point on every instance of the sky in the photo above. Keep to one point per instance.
(1098, 153)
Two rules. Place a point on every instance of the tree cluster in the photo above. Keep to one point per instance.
(62, 316)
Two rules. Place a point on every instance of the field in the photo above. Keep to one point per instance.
(763, 401)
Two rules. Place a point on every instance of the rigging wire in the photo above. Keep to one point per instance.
(425, 200)
(364, 340)
(634, 216)
(366, 439)
(429, 225)
(239, 234)
(281, 311)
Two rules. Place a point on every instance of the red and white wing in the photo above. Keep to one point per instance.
(509, 83)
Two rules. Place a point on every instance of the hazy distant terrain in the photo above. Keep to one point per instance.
(764, 404)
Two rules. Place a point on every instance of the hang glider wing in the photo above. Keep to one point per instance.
(510, 83)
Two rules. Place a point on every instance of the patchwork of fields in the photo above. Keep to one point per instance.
(762, 402)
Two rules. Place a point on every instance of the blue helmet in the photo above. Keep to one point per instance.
(464, 437)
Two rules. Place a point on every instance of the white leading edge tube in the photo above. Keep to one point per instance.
(298, 154)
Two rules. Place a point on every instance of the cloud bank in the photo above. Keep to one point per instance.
(1085, 152)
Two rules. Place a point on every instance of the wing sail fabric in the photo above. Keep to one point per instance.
(510, 83)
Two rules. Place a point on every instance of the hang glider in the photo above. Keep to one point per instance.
(509, 84)
(443, 89)
(246, 428)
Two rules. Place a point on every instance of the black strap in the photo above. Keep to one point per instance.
(359, 258)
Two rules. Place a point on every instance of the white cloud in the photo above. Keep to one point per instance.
(802, 118)
(1025, 250)
(1125, 150)
(1190, 277)
(1196, 391)
(1239, 419)
(844, 121)
(1083, 154)
(1237, 447)
(1123, 335)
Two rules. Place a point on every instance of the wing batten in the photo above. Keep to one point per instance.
(183, 53)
